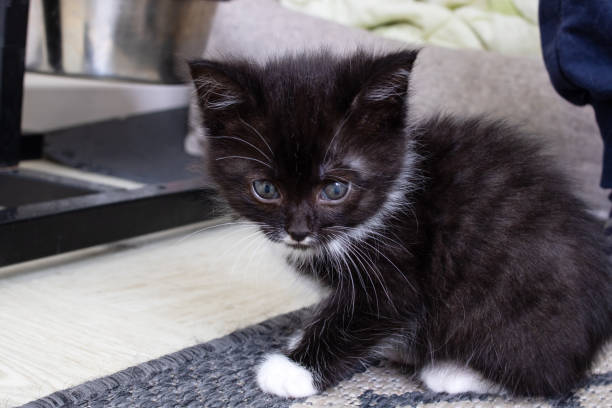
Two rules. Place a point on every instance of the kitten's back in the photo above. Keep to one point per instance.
(516, 268)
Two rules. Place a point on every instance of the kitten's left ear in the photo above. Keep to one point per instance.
(387, 86)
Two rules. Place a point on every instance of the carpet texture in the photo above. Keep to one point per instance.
(220, 374)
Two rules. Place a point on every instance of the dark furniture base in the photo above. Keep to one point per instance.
(85, 217)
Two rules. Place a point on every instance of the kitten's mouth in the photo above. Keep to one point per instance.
(301, 247)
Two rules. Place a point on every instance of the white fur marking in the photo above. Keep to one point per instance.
(454, 379)
(356, 163)
(280, 376)
(393, 88)
(306, 241)
(407, 181)
(336, 247)
(294, 340)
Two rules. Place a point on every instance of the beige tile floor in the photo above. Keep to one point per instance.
(75, 317)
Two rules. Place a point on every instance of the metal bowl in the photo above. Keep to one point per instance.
(142, 40)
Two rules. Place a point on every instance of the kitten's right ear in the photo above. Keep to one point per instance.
(219, 87)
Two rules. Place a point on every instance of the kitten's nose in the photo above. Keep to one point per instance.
(297, 234)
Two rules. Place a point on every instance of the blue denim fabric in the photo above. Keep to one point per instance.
(577, 49)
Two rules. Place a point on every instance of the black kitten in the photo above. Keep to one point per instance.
(450, 244)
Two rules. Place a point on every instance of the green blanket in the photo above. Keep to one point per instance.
(506, 26)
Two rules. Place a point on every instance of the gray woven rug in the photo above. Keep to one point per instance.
(220, 374)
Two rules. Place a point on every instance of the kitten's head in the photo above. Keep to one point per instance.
(312, 147)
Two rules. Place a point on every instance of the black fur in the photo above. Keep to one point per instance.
(486, 258)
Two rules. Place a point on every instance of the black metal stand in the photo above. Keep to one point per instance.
(53, 227)
(13, 31)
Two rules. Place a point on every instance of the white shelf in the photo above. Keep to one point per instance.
(53, 102)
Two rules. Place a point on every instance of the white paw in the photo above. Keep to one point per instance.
(280, 376)
(454, 379)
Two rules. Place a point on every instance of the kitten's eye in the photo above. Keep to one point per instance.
(265, 190)
(334, 191)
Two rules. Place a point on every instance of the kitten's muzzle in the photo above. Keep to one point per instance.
(304, 242)
(298, 236)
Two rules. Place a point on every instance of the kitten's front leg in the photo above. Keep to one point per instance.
(332, 347)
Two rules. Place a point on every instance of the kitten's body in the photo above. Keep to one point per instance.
(457, 243)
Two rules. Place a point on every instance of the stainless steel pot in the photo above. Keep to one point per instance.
(143, 40)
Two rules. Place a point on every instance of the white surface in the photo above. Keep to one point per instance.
(54, 102)
(82, 315)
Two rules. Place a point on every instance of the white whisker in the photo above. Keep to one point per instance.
(243, 141)
(245, 158)
(258, 134)
(194, 233)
